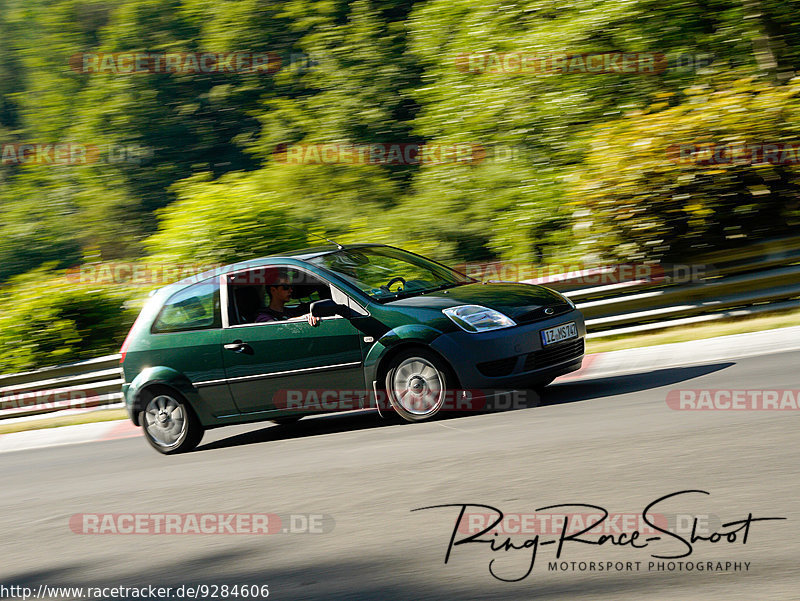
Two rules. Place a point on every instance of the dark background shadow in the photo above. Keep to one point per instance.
(571, 392)
(312, 426)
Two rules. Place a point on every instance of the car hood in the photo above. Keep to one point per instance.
(521, 302)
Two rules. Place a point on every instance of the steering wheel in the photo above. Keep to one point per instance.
(394, 280)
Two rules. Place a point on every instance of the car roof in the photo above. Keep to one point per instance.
(303, 254)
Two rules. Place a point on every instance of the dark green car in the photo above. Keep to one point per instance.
(239, 344)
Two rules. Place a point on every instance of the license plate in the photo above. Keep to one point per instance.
(563, 332)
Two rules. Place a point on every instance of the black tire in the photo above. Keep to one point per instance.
(288, 420)
(418, 384)
(169, 423)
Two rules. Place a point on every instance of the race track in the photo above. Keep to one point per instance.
(611, 442)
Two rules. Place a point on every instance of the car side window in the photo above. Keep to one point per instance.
(194, 308)
(309, 296)
(248, 292)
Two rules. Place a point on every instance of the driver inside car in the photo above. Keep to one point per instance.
(279, 294)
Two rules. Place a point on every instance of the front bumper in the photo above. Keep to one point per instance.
(512, 358)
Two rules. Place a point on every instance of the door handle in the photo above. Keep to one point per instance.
(237, 346)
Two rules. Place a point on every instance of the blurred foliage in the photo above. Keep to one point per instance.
(576, 165)
(642, 201)
(47, 320)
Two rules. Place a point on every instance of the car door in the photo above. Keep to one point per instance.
(186, 337)
(265, 362)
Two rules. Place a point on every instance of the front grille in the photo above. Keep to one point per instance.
(538, 314)
(552, 355)
(498, 367)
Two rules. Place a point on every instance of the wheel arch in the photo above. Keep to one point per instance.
(382, 366)
(154, 378)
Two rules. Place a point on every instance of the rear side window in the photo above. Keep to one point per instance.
(193, 308)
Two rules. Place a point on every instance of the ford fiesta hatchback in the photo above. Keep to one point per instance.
(238, 344)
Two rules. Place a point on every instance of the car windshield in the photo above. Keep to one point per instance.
(387, 273)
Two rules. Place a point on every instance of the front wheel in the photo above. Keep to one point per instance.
(170, 424)
(417, 384)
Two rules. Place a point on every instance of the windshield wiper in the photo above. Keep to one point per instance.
(443, 287)
(408, 293)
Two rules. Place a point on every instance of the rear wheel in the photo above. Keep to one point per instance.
(417, 384)
(170, 424)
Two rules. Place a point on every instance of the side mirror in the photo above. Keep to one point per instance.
(328, 308)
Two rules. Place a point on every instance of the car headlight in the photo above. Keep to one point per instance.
(475, 318)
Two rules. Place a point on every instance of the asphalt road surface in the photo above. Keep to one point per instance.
(611, 442)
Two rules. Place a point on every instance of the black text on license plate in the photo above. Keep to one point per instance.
(563, 332)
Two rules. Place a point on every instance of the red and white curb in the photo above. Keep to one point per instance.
(598, 365)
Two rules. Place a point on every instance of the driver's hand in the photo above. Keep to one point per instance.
(313, 320)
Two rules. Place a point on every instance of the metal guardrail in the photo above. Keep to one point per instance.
(759, 278)
(94, 383)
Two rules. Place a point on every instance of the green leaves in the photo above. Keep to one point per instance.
(659, 184)
(47, 320)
